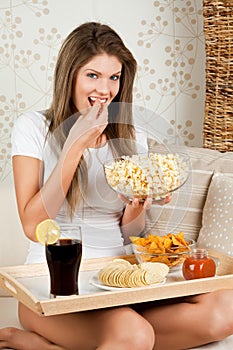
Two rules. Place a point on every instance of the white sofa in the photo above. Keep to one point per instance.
(13, 245)
(185, 212)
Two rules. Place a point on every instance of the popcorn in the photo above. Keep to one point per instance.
(153, 175)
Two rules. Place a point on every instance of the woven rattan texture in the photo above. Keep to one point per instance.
(218, 31)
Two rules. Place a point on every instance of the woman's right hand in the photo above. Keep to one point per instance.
(88, 129)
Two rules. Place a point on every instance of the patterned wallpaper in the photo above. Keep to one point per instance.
(165, 36)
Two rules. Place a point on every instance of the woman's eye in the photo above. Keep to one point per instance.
(114, 77)
(92, 75)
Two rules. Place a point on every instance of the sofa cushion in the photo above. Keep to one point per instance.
(217, 219)
(13, 238)
(14, 244)
(184, 212)
(9, 312)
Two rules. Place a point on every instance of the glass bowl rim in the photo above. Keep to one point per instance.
(169, 254)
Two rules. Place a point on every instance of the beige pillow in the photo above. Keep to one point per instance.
(217, 219)
(184, 212)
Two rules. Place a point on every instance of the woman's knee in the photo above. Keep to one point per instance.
(141, 335)
(131, 330)
(219, 314)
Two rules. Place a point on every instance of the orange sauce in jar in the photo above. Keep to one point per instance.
(198, 265)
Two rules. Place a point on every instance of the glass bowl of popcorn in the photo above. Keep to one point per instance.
(153, 174)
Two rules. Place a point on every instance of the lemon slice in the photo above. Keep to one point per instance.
(47, 231)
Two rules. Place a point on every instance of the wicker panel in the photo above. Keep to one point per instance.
(218, 30)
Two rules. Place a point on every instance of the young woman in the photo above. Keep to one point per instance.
(58, 158)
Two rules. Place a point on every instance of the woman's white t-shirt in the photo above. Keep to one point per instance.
(101, 211)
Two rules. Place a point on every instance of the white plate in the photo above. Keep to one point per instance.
(96, 282)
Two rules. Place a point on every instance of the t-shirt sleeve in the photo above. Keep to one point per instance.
(28, 136)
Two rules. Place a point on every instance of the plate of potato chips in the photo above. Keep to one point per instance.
(170, 249)
(120, 274)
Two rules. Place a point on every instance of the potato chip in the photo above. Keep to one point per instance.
(155, 267)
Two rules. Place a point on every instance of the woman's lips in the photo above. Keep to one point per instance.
(92, 100)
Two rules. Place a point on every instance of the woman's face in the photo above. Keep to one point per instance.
(99, 79)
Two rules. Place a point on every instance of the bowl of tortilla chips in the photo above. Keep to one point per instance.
(171, 249)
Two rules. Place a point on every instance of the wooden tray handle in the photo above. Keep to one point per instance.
(18, 291)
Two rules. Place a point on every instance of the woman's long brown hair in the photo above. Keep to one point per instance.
(81, 45)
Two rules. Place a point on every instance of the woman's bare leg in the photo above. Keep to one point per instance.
(195, 321)
(19, 339)
(198, 320)
(108, 329)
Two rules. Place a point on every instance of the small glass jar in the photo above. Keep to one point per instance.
(198, 265)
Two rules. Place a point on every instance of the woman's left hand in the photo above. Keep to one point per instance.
(145, 204)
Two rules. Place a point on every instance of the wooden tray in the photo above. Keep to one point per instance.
(15, 281)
